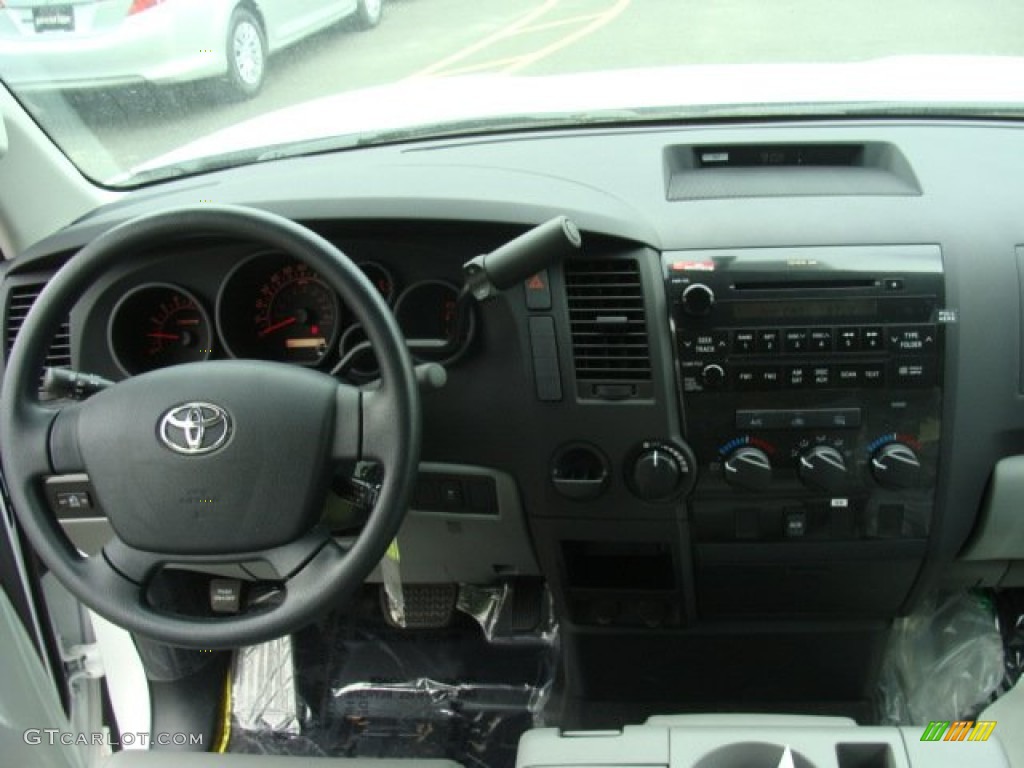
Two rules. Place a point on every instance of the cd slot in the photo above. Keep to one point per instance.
(803, 285)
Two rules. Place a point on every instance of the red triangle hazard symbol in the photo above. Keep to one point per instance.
(535, 283)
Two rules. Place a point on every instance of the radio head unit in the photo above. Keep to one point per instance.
(811, 389)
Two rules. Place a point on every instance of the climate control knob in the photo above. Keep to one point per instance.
(660, 470)
(748, 468)
(656, 474)
(697, 299)
(823, 468)
(896, 466)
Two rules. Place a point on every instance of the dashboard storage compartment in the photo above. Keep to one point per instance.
(804, 579)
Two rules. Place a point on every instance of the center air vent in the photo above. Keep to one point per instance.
(609, 329)
(19, 301)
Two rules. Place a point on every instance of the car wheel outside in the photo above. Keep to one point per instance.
(246, 54)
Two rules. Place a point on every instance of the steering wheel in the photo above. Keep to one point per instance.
(213, 463)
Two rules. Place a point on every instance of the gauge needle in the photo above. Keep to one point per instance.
(172, 336)
(276, 326)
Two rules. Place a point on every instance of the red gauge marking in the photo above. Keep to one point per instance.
(276, 326)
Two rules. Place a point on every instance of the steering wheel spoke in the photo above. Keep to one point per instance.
(276, 564)
(378, 414)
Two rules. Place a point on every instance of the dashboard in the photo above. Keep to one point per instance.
(768, 396)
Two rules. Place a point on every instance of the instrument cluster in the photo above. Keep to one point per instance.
(271, 306)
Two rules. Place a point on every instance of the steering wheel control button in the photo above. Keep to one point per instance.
(71, 497)
(225, 595)
(195, 429)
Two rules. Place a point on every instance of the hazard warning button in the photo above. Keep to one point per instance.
(538, 291)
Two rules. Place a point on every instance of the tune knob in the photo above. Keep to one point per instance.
(896, 466)
(823, 468)
(748, 468)
(697, 299)
(712, 376)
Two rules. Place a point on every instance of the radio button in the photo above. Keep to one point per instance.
(847, 339)
(795, 340)
(767, 342)
(821, 340)
(915, 373)
(746, 378)
(872, 339)
(872, 375)
(914, 339)
(847, 375)
(797, 377)
(712, 343)
(821, 376)
(769, 378)
(688, 344)
(743, 342)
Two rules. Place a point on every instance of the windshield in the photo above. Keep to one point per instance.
(136, 90)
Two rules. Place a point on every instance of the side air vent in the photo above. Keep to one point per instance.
(19, 301)
(609, 329)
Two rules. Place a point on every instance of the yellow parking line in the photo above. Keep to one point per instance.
(600, 21)
(496, 64)
(558, 23)
(506, 31)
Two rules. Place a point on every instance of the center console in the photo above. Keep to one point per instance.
(743, 741)
(811, 383)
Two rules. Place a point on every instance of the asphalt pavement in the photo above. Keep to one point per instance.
(440, 38)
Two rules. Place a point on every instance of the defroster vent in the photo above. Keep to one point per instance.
(609, 329)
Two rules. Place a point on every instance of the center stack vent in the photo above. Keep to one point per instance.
(610, 348)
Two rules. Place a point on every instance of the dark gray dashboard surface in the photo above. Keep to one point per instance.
(613, 182)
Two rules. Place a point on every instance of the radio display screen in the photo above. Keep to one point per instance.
(804, 309)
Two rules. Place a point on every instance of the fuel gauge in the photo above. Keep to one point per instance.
(157, 325)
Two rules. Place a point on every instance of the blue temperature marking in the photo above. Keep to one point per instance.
(878, 442)
(736, 442)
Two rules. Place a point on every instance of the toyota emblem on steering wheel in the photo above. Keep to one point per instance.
(194, 429)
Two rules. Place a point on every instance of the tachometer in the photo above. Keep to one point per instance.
(275, 308)
(157, 325)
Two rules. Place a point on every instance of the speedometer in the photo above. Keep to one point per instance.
(275, 308)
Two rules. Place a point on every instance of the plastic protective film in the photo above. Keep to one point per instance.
(944, 662)
(363, 687)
